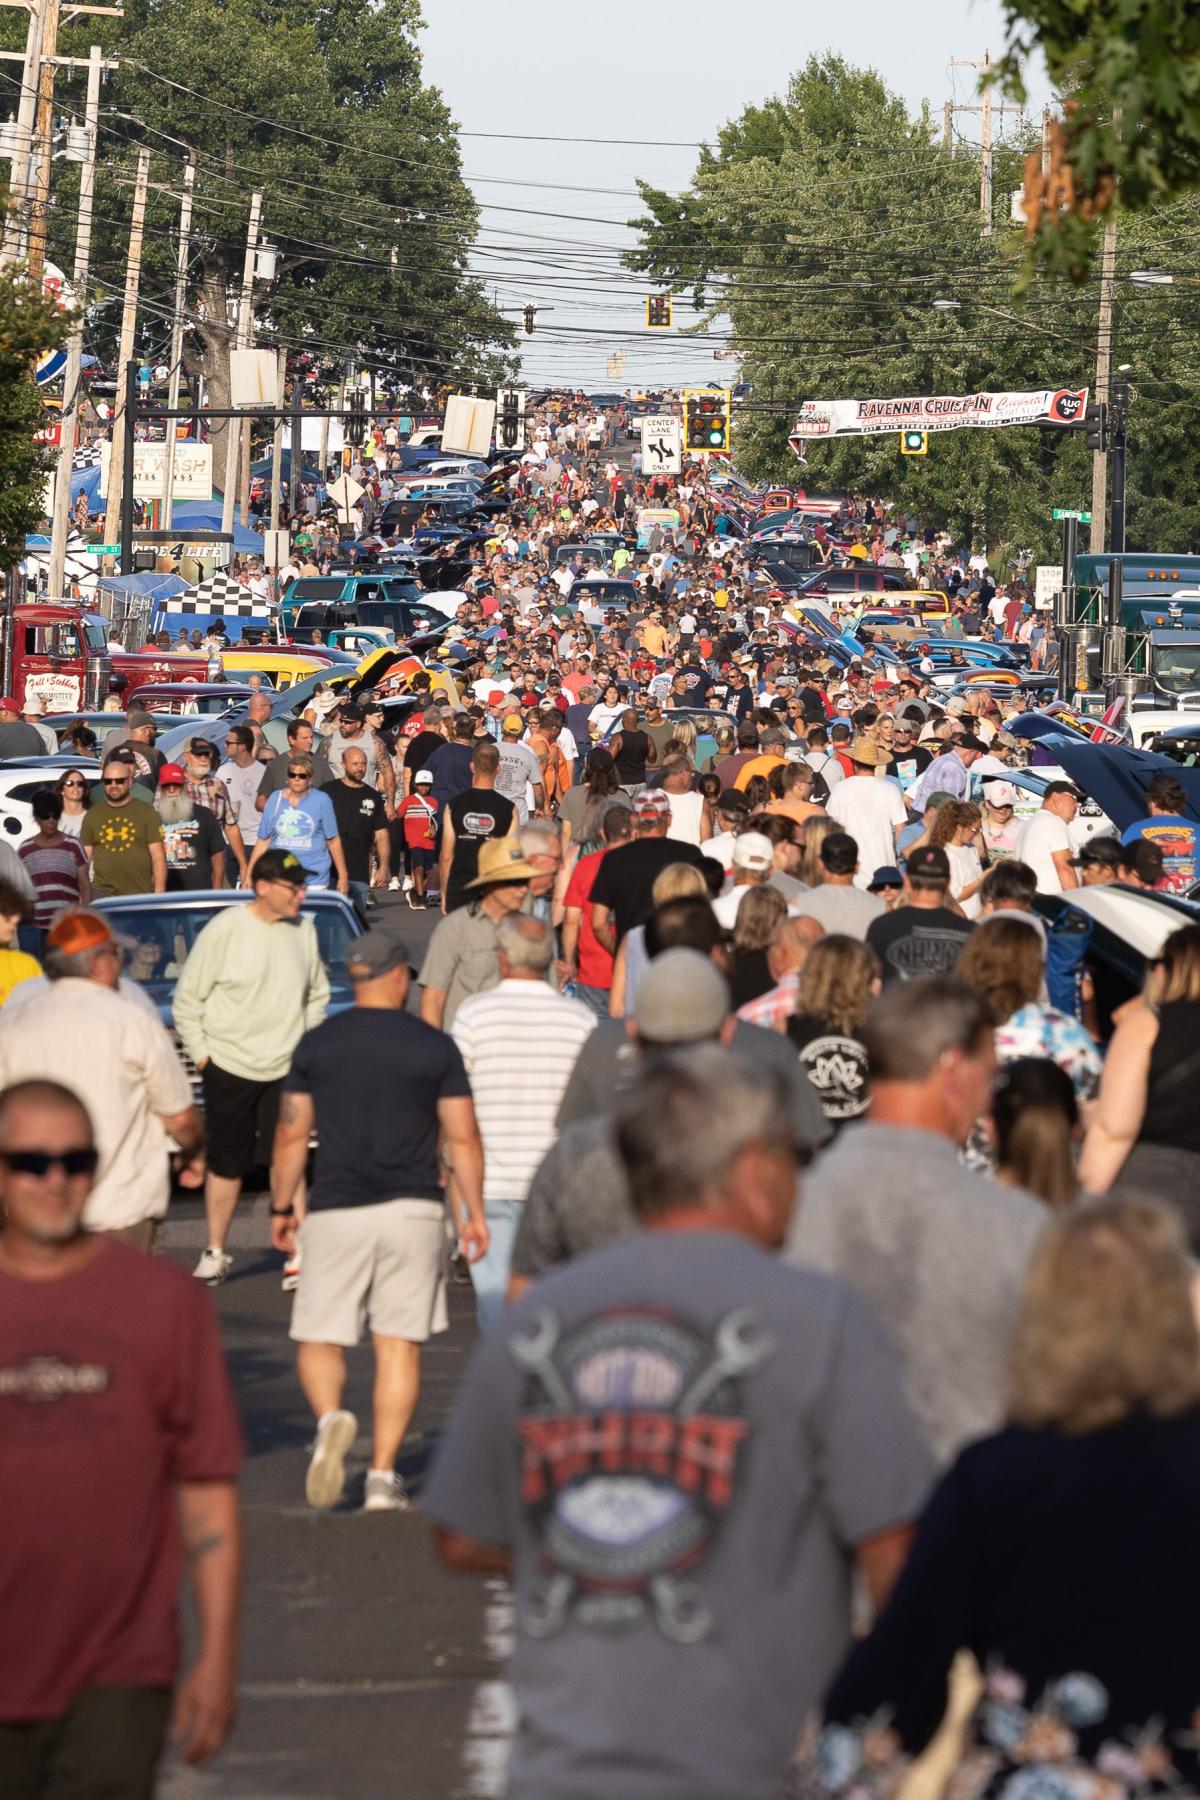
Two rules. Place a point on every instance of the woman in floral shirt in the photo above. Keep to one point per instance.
(1061, 1552)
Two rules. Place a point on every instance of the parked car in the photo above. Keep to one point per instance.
(190, 696)
(1126, 929)
(160, 930)
(21, 780)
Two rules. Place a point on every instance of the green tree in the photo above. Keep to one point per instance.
(841, 246)
(29, 326)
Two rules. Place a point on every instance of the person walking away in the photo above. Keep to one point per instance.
(923, 936)
(469, 820)
(692, 1336)
(870, 810)
(838, 981)
(463, 955)
(54, 862)
(949, 1303)
(1145, 1128)
(378, 1086)
(18, 738)
(691, 815)
(110, 1364)
(622, 896)
(838, 904)
(33, 712)
(303, 824)
(633, 752)
(192, 839)
(418, 819)
(516, 1097)
(362, 827)
(118, 1058)
(588, 964)
(252, 984)
(1077, 1678)
(1044, 841)
(123, 839)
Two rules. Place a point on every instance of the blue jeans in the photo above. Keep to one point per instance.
(594, 998)
(358, 896)
(489, 1275)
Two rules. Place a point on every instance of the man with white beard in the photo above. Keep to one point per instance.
(192, 838)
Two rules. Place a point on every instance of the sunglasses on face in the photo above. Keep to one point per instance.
(39, 1163)
(300, 774)
(115, 781)
(71, 784)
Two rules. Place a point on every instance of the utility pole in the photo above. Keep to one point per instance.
(948, 127)
(73, 376)
(233, 437)
(118, 472)
(1108, 263)
(181, 272)
(22, 162)
(987, 112)
(39, 172)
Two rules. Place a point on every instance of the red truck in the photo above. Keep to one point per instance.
(60, 653)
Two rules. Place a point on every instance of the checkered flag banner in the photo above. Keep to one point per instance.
(220, 595)
(86, 456)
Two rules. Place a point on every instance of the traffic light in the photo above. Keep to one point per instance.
(1095, 424)
(530, 317)
(914, 443)
(510, 419)
(706, 421)
(356, 427)
(658, 311)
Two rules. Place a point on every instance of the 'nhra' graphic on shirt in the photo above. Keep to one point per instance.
(631, 1435)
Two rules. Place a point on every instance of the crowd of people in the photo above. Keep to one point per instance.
(831, 1243)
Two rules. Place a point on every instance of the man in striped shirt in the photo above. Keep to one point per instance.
(519, 1042)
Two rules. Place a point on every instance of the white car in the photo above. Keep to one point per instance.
(20, 781)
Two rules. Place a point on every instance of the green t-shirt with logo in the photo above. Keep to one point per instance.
(119, 838)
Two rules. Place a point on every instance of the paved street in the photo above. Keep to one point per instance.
(366, 1671)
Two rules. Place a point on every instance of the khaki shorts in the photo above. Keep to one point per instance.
(382, 1265)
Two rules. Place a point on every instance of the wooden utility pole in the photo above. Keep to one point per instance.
(181, 273)
(22, 162)
(1104, 329)
(233, 436)
(118, 474)
(60, 524)
(948, 126)
(43, 133)
(987, 112)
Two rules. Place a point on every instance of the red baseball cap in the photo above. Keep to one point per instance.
(171, 772)
(8, 704)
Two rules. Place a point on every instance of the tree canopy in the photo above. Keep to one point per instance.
(842, 245)
(29, 326)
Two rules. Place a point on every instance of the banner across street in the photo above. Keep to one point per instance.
(940, 412)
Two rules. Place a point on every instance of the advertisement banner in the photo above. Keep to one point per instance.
(939, 412)
(193, 470)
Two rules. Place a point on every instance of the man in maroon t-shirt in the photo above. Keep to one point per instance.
(119, 1449)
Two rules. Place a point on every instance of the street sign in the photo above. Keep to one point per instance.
(1047, 585)
(97, 550)
(1064, 512)
(660, 445)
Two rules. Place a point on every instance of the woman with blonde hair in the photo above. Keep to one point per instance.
(758, 918)
(1060, 1551)
(838, 981)
(676, 882)
(811, 836)
(1146, 1125)
(1035, 1122)
(957, 830)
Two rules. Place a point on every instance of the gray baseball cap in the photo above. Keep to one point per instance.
(683, 998)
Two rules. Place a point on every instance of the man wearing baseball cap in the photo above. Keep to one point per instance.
(252, 983)
(921, 936)
(192, 839)
(79, 1030)
(380, 1088)
(519, 777)
(33, 712)
(623, 893)
(753, 861)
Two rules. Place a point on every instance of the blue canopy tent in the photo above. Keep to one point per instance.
(147, 586)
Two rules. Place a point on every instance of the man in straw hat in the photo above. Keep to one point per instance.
(871, 810)
(463, 954)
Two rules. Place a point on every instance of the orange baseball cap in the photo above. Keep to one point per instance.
(77, 931)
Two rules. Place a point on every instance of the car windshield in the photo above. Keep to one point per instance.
(1177, 667)
(160, 939)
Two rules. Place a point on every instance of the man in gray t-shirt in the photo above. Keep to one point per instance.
(519, 773)
(681, 1448)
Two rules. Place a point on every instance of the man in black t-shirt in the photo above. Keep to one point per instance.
(923, 936)
(192, 839)
(468, 820)
(421, 747)
(909, 759)
(622, 896)
(362, 825)
(379, 1086)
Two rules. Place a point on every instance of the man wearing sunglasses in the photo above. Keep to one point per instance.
(111, 1375)
(123, 839)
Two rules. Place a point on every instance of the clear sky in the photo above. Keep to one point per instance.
(554, 213)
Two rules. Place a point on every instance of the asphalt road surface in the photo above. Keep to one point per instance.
(367, 1672)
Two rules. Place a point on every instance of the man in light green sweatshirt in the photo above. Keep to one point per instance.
(252, 985)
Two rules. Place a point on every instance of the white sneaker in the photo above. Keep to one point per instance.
(386, 1492)
(327, 1467)
(394, 885)
(291, 1272)
(213, 1267)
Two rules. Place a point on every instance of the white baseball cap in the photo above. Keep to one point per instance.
(753, 850)
(33, 705)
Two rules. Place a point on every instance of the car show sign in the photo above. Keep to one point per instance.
(940, 412)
